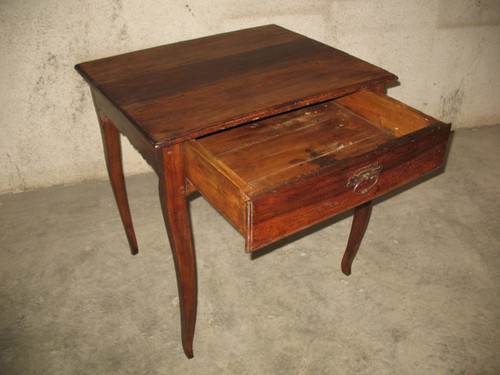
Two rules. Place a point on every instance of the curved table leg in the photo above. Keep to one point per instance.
(172, 191)
(359, 223)
(112, 151)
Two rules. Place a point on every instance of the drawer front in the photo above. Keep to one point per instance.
(272, 215)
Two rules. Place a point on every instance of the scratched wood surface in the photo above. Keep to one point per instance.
(184, 90)
(275, 176)
(275, 149)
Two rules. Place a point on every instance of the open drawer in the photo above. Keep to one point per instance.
(273, 177)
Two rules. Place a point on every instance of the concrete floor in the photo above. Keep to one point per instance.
(424, 296)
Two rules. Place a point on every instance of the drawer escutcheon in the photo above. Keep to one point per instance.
(364, 180)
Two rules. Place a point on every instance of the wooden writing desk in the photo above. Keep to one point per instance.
(276, 130)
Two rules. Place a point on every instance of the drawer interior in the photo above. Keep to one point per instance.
(387, 113)
(237, 166)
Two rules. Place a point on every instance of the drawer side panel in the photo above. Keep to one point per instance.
(215, 185)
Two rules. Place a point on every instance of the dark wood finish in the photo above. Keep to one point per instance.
(184, 90)
(112, 152)
(277, 176)
(402, 160)
(126, 127)
(272, 177)
(190, 189)
(172, 190)
(360, 221)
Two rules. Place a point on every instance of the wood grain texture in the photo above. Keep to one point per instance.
(277, 215)
(126, 127)
(360, 221)
(172, 192)
(113, 155)
(291, 155)
(225, 190)
(181, 91)
(270, 151)
(296, 167)
(386, 112)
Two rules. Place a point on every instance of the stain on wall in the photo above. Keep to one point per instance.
(445, 53)
(189, 10)
(451, 104)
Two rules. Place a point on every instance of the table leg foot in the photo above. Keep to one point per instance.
(359, 223)
(172, 191)
(112, 151)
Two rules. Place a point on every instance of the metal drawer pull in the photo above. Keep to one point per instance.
(363, 181)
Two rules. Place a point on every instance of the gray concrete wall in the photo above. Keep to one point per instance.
(445, 52)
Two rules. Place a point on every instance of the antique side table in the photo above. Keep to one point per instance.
(277, 131)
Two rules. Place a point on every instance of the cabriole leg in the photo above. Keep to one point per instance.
(172, 191)
(112, 151)
(359, 223)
